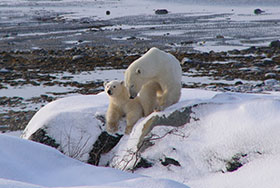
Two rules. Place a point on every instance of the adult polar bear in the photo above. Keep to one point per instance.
(160, 67)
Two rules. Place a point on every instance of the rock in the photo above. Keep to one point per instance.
(41, 136)
(173, 120)
(3, 70)
(238, 83)
(187, 42)
(143, 163)
(275, 44)
(270, 82)
(77, 57)
(161, 11)
(269, 62)
(103, 144)
(234, 163)
(169, 161)
(270, 75)
(277, 68)
(220, 37)
(68, 124)
(258, 11)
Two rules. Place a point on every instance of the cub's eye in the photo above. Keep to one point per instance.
(114, 86)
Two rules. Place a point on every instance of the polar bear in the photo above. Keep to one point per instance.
(149, 97)
(156, 66)
(120, 105)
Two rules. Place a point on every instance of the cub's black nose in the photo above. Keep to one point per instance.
(109, 92)
(131, 97)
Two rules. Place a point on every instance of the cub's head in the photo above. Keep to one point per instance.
(114, 88)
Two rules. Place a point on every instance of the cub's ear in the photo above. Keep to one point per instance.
(122, 82)
(138, 71)
(105, 83)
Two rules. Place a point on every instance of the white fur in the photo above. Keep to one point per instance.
(120, 105)
(159, 67)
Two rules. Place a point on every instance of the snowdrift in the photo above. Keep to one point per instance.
(228, 139)
(26, 164)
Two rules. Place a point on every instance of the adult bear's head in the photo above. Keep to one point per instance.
(134, 80)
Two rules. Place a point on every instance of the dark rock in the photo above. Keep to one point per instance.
(238, 83)
(103, 144)
(187, 42)
(169, 161)
(270, 75)
(41, 136)
(233, 165)
(131, 38)
(143, 163)
(161, 11)
(235, 52)
(275, 44)
(220, 37)
(269, 62)
(258, 11)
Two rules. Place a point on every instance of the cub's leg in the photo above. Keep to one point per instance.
(113, 117)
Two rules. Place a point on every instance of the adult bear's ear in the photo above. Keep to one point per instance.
(138, 71)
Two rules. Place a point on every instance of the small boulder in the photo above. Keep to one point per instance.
(161, 11)
(275, 44)
(169, 161)
(258, 11)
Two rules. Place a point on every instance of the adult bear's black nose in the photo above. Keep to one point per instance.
(131, 97)
(109, 92)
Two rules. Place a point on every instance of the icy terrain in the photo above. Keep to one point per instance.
(225, 128)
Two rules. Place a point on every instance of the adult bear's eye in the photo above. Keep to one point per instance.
(114, 86)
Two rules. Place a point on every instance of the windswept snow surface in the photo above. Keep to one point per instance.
(224, 126)
(25, 164)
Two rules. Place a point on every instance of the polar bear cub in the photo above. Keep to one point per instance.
(120, 105)
(133, 109)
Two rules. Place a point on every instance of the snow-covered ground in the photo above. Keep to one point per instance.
(224, 126)
(229, 124)
(26, 164)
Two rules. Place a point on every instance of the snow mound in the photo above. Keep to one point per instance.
(228, 135)
(29, 164)
(72, 122)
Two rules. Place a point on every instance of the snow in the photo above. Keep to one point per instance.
(226, 125)
(29, 164)
(223, 126)
(78, 127)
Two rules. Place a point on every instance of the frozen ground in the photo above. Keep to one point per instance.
(69, 23)
(25, 164)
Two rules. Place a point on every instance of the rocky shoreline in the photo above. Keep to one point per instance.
(253, 70)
